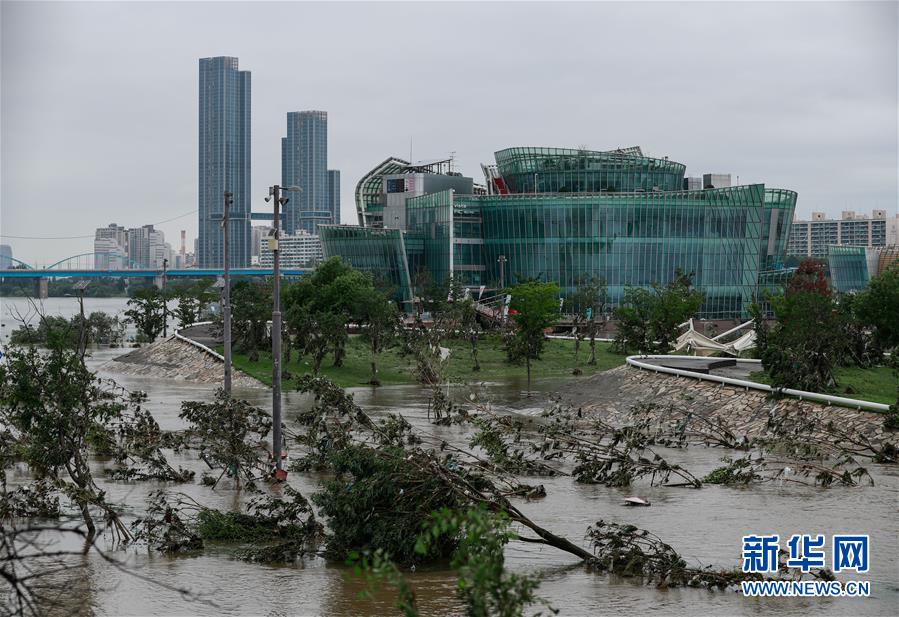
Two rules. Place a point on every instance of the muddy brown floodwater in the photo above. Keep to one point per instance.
(703, 525)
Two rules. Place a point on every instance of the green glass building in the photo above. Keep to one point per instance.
(851, 267)
(561, 215)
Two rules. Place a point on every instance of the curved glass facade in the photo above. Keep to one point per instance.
(779, 207)
(630, 240)
(562, 214)
(370, 191)
(851, 267)
(562, 170)
(381, 252)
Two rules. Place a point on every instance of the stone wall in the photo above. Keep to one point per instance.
(612, 394)
(172, 358)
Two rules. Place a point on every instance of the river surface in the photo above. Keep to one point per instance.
(703, 525)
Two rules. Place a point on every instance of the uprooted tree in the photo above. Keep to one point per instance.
(229, 435)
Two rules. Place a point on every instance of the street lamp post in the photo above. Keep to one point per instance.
(274, 195)
(226, 294)
(502, 271)
(165, 300)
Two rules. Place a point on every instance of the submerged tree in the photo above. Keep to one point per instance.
(57, 413)
(229, 434)
(385, 468)
(98, 328)
(484, 584)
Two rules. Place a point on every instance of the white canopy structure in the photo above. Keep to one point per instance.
(701, 345)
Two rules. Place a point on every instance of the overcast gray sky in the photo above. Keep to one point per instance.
(99, 100)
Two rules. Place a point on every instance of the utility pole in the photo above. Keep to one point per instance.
(502, 271)
(165, 300)
(276, 331)
(274, 195)
(80, 286)
(226, 295)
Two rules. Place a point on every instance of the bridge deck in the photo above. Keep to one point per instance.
(144, 273)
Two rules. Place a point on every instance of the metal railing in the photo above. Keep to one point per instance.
(196, 344)
(842, 401)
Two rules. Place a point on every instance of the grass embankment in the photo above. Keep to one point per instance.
(393, 369)
(877, 384)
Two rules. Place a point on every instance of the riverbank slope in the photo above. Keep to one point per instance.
(612, 396)
(173, 358)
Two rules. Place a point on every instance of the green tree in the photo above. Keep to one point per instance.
(534, 308)
(192, 301)
(381, 322)
(320, 305)
(147, 312)
(648, 317)
(251, 309)
(589, 305)
(807, 339)
(877, 307)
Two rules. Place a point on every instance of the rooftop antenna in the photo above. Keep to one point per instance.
(452, 160)
(410, 149)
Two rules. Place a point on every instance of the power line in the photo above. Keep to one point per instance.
(2, 235)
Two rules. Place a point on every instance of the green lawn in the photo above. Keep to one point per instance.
(876, 384)
(557, 361)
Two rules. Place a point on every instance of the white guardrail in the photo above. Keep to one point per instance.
(637, 362)
(201, 346)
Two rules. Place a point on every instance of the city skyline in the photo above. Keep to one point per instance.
(811, 107)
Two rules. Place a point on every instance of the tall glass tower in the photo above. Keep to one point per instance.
(224, 157)
(304, 163)
(334, 195)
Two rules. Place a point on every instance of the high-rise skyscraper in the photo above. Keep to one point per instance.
(5, 256)
(304, 163)
(224, 160)
(334, 195)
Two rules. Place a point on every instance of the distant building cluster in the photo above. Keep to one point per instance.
(118, 248)
(812, 237)
(298, 250)
(224, 165)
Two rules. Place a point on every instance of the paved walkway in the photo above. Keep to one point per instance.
(739, 371)
(205, 334)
